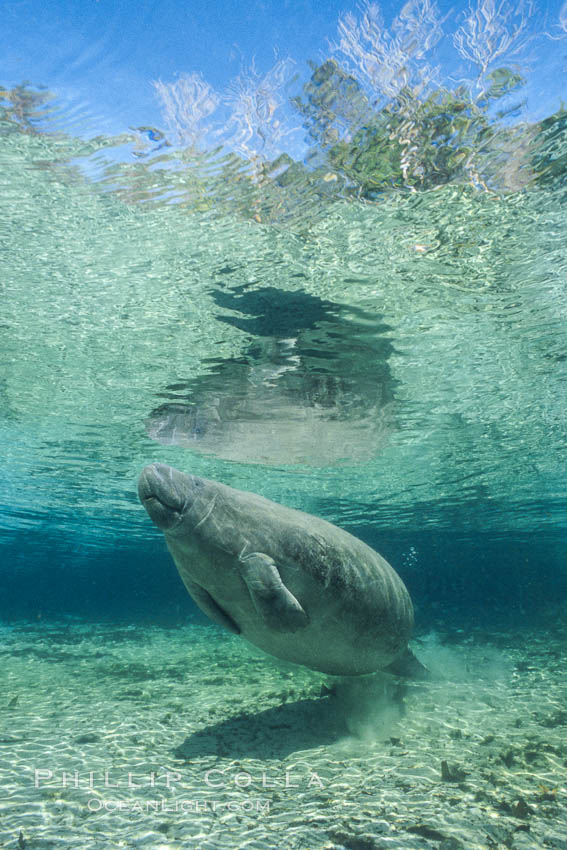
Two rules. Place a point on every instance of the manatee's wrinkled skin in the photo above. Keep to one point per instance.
(292, 584)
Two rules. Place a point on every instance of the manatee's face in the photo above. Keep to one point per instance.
(170, 496)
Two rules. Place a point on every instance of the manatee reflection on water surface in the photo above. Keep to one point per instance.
(312, 386)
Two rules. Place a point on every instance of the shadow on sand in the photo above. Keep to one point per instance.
(274, 733)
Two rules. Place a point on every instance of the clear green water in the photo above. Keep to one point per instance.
(391, 361)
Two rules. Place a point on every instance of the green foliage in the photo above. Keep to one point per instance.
(334, 103)
(412, 141)
(549, 156)
(23, 108)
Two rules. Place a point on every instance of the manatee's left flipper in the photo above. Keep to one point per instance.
(279, 608)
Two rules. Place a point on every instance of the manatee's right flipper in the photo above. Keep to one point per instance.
(409, 666)
(279, 608)
(209, 607)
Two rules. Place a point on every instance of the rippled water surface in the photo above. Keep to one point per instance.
(339, 283)
(384, 360)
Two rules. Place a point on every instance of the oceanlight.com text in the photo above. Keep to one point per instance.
(95, 804)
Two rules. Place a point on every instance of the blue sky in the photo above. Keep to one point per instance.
(100, 56)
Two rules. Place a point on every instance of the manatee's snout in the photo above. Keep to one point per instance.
(165, 493)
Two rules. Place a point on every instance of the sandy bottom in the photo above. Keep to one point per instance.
(116, 737)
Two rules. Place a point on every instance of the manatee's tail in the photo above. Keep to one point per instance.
(409, 666)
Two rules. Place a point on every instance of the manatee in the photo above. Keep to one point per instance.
(294, 585)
